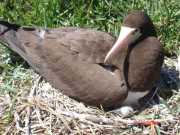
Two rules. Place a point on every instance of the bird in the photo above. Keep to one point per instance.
(92, 66)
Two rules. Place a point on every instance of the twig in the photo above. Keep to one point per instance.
(17, 120)
(96, 119)
(44, 106)
(32, 92)
(41, 122)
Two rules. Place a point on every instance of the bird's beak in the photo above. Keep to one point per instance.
(126, 37)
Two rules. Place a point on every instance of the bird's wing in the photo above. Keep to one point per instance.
(68, 58)
(84, 44)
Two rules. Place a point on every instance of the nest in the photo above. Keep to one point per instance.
(45, 110)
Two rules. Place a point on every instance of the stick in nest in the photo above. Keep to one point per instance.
(31, 94)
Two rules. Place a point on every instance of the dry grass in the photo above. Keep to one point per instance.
(44, 110)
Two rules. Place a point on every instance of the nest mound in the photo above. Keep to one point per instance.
(44, 110)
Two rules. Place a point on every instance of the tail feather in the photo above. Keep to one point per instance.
(13, 36)
(10, 25)
(6, 26)
(8, 36)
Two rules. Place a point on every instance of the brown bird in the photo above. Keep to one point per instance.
(88, 65)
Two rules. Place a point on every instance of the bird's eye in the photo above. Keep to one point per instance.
(136, 31)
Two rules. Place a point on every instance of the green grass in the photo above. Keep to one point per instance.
(103, 15)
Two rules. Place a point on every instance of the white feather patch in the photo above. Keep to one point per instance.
(133, 97)
(42, 33)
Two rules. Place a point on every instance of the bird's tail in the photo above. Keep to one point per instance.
(6, 26)
(7, 30)
(9, 37)
(15, 37)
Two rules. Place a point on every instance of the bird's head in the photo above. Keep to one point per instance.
(136, 26)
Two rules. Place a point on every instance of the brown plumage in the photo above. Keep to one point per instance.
(72, 60)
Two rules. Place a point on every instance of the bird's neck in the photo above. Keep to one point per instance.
(121, 62)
